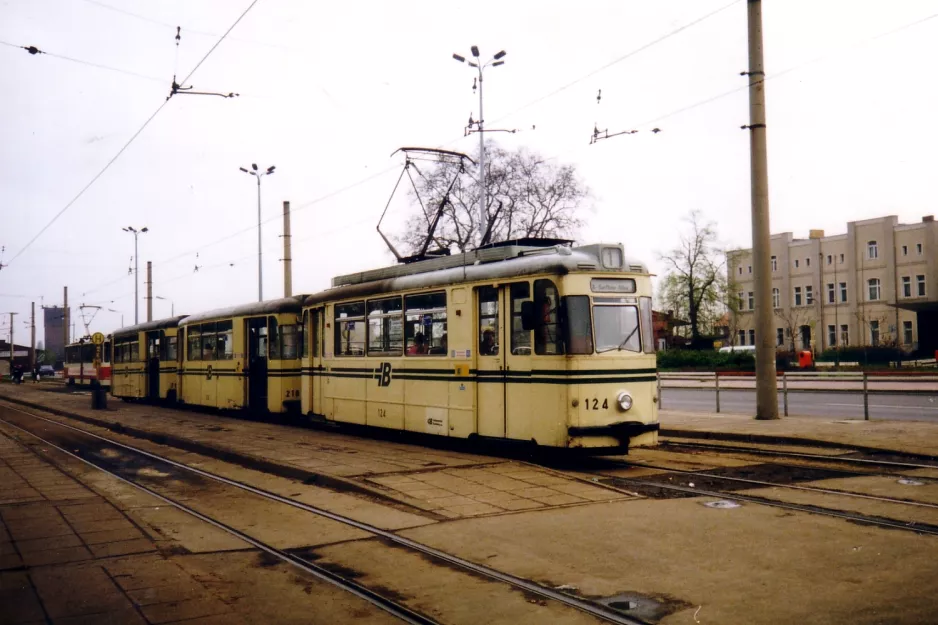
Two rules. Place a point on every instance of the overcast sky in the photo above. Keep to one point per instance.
(330, 90)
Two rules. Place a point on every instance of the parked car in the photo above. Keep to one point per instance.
(46, 371)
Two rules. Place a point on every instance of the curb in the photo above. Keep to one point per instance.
(788, 440)
(305, 476)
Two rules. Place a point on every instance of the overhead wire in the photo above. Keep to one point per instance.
(109, 68)
(130, 141)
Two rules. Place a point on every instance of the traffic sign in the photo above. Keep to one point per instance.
(97, 338)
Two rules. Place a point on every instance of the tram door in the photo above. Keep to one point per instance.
(256, 333)
(490, 385)
(315, 353)
(153, 365)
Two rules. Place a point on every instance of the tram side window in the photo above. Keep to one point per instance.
(579, 329)
(286, 341)
(316, 319)
(106, 354)
(520, 338)
(385, 327)
(224, 341)
(194, 344)
(135, 351)
(350, 329)
(425, 324)
(488, 321)
(304, 335)
(169, 348)
(208, 341)
(274, 335)
(547, 339)
(87, 352)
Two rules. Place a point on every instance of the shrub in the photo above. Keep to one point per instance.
(864, 355)
(705, 360)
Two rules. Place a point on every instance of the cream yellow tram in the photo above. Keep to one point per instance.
(552, 345)
(144, 361)
(243, 357)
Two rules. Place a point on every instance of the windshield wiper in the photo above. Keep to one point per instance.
(631, 334)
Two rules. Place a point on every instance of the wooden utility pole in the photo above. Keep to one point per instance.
(287, 258)
(65, 319)
(766, 384)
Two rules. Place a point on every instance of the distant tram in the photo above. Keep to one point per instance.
(79, 363)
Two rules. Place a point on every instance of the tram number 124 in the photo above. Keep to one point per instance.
(595, 404)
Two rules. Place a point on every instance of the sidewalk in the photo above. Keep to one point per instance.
(911, 437)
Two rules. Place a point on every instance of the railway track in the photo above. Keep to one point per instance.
(395, 608)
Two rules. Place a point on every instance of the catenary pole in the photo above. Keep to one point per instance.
(766, 384)
(149, 290)
(287, 253)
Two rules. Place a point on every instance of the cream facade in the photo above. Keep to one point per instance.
(875, 285)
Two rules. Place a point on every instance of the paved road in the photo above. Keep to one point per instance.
(845, 405)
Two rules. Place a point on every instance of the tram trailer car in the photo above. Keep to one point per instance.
(243, 357)
(145, 361)
(79, 363)
(551, 345)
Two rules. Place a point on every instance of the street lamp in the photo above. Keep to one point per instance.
(172, 305)
(259, 174)
(495, 61)
(136, 232)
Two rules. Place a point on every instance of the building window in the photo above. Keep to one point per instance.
(920, 282)
(775, 298)
(872, 250)
(775, 263)
(874, 332)
(740, 271)
(906, 286)
(831, 336)
(808, 295)
(905, 250)
(742, 302)
(779, 337)
(752, 305)
(752, 337)
(750, 268)
(797, 296)
(796, 263)
(830, 259)
(844, 335)
(918, 249)
(742, 337)
(830, 292)
(907, 332)
(874, 289)
(843, 291)
(841, 259)
(807, 262)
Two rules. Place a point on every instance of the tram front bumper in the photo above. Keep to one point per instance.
(624, 431)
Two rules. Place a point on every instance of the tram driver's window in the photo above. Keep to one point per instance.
(520, 338)
(547, 339)
(488, 321)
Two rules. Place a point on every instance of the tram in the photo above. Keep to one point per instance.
(79, 363)
(526, 340)
(144, 361)
(243, 357)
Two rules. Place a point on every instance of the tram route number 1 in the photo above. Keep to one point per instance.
(595, 404)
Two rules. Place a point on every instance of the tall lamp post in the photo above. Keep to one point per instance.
(495, 61)
(259, 174)
(172, 304)
(136, 232)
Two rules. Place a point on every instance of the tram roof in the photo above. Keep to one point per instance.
(147, 326)
(524, 261)
(283, 305)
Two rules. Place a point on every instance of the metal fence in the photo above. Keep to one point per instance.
(853, 382)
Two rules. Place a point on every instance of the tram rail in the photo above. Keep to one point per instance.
(399, 610)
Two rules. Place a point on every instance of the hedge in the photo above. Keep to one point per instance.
(863, 355)
(705, 360)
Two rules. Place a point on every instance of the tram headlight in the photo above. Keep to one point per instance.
(625, 400)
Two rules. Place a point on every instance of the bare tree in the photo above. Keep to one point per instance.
(694, 281)
(526, 196)
(793, 318)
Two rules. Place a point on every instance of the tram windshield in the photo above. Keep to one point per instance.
(616, 328)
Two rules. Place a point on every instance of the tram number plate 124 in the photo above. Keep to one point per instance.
(593, 404)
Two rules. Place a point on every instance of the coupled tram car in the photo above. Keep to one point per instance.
(523, 341)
